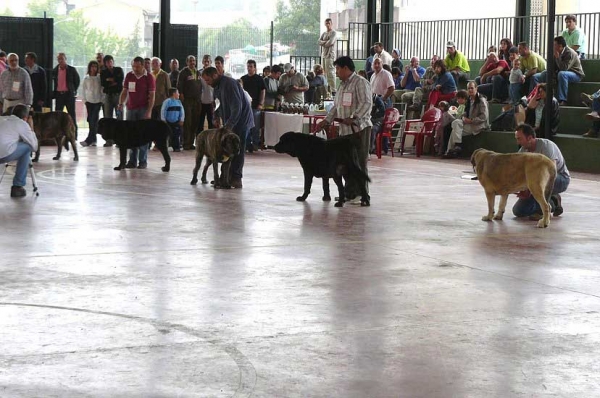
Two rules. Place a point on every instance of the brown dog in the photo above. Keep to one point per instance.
(58, 126)
(503, 174)
(218, 145)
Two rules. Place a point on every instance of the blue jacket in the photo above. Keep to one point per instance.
(172, 111)
(446, 81)
(235, 109)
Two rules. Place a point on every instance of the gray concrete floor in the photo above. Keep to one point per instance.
(136, 284)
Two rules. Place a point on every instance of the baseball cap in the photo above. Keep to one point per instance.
(287, 67)
(450, 44)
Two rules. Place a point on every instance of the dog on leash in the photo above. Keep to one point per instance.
(218, 145)
(334, 158)
(57, 126)
(129, 134)
(503, 174)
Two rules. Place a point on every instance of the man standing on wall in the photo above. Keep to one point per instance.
(327, 42)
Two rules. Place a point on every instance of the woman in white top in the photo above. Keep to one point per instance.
(92, 97)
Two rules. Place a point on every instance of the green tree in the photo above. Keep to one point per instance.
(74, 36)
(237, 35)
(297, 25)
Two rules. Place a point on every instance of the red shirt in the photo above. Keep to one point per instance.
(138, 89)
(62, 80)
(502, 63)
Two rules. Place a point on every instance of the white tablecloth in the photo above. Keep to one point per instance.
(277, 124)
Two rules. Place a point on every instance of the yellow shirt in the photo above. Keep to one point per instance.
(534, 60)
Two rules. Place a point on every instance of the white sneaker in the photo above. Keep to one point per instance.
(593, 116)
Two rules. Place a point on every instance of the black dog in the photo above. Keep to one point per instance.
(218, 145)
(335, 159)
(128, 134)
(57, 126)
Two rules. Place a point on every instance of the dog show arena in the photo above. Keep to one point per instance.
(137, 284)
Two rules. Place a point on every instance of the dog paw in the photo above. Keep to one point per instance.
(76, 159)
(34, 160)
(165, 169)
(119, 168)
(56, 158)
(301, 198)
(486, 218)
(543, 224)
(326, 198)
(339, 204)
(194, 181)
(365, 203)
(204, 181)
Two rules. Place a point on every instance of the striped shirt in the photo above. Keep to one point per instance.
(354, 99)
(16, 85)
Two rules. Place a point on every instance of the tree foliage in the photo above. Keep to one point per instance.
(297, 25)
(237, 35)
(74, 36)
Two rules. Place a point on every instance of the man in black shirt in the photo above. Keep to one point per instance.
(111, 79)
(255, 86)
(174, 74)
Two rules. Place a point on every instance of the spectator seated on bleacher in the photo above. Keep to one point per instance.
(574, 36)
(568, 69)
(397, 76)
(449, 114)
(411, 79)
(444, 86)
(594, 116)
(426, 86)
(531, 63)
(377, 114)
(456, 63)
(504, 52)
(493, 78)
(535, 115)
(474, 121)
(396, 63)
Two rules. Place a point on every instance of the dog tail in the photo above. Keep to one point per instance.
(550, 184)
(356, 169)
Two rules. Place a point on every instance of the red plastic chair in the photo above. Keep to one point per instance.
(429, 122)
(390, 119)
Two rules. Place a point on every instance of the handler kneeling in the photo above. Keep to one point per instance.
(527, 205)
(17, 141)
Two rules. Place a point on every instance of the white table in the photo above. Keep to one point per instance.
(277, 124)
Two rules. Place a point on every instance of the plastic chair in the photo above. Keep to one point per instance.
(390, 118)
(31, 172)
(428, 123)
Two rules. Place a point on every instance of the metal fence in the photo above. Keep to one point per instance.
(238, 44)
(472, 36)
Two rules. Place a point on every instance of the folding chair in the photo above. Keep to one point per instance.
(31, 172)
(424, 127)
(390, 118)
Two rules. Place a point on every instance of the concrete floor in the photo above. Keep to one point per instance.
(136, 284)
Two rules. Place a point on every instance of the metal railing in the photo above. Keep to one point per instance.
(472, 36)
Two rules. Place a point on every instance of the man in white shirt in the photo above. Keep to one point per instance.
(382, 83)
(383, 55)
(17, 141)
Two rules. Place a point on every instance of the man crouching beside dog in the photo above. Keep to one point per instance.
(236, 113)
(352, 103)
(17, 141)
(527, 206)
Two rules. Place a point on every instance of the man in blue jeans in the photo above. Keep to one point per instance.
(527, 206)
(568, 69)
(17, 141)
